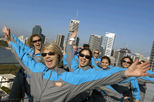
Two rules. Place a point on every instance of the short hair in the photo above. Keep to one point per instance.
(106, 57)
(54, 47)
(31, 38)
(86, 46)
(95, 50)
(128, 58)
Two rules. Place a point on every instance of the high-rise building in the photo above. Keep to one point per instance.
(60, 40)
(95, 42)
(38, 30)
(152, 57)
(74, 25)
(108, 43)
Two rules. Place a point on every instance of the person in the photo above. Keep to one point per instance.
(142, 83)
(85, 46)
(105, 65)
(75, 64)
(126, 61)
(20, 85)
(109, 93)
(48, 85)
(133, 86)
(95, 59)
(129, 86)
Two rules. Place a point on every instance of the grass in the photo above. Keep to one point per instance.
(9, 69)
(7, 90)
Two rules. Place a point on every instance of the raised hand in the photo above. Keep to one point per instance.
(4, 29)
(74, 34)
(137, 69)
(6, 32)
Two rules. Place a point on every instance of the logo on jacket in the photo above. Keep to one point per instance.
(59, 84)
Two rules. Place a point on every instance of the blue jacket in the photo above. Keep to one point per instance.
(43, 86)
(93, 61)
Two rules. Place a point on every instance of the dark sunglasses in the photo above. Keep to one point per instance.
(49, 53)
(126, 62)
(96, 52)
(36, 41)
(86, 56)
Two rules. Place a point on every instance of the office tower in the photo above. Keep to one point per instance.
(74, 25)
(139, 56)
(95, 42)
(108, 43)
(38, 30)
(152, 57)
(60, 40)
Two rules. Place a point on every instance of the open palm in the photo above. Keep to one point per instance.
(137, 69)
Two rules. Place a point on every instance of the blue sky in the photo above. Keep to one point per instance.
(131, 20)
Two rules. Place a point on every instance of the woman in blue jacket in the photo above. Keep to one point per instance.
(21, 83)
(47, 85)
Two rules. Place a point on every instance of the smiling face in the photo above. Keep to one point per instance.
(36, 40)
(96, 53)
(50, 59)
(105, 63)
(52, 55)
(84, 58)
(126, 62)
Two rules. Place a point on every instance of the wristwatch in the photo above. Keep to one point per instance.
(72, 39)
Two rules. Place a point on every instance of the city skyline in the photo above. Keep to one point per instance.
(132, 21)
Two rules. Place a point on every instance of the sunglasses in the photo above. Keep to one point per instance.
(96, 52)
(126, 62)
(36, 41)
(49, 53)
(86, 56)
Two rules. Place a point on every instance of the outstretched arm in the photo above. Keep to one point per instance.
(151, 73)
(69, 50)
(27, 62)
(7, 34)
(146, 79)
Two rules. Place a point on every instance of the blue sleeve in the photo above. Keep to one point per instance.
(151, 73)
(93, 62)
(128, 80)
(64, 60)
(75, 63)
(147, 78)
(117, 68)
(99, 60)
(82, 76)
(29, 62)
(136, 89)
(19, 43)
